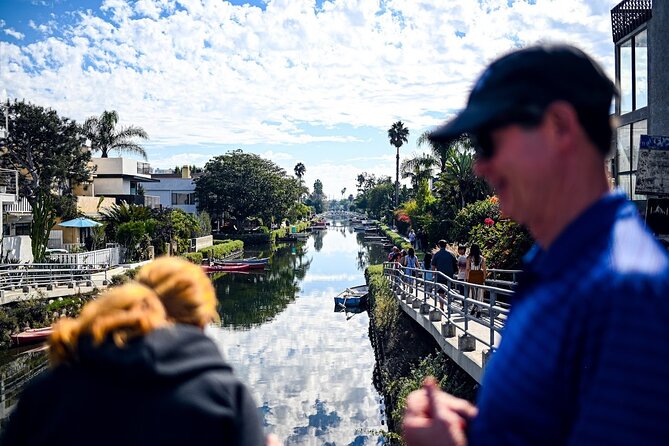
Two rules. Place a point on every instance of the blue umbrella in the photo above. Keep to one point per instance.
(79, 222)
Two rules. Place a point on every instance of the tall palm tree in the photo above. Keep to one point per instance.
(418, 168)
(105, 136)
(398, 135)
(300, 170)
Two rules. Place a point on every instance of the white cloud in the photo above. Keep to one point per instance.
(213, 74)
(15, 34)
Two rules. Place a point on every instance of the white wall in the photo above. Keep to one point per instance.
(112, 186)
(18, 248)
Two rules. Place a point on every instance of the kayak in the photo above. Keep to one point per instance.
(225, 268)
(32, 336)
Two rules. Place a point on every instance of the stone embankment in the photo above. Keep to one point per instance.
(405, 353)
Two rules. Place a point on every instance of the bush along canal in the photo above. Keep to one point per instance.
(405, 354)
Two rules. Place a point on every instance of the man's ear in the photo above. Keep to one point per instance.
(563, 124)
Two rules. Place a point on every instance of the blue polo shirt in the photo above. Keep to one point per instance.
(584, 357)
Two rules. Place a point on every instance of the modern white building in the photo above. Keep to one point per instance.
(174, 190)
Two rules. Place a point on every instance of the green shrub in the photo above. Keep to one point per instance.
(472, 215)
(504, 243)
(193, 257)
(221, 250)
(395, 238)
(385, 307)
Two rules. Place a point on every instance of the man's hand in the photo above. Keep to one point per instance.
(435, 417)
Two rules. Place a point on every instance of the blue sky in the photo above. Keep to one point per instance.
(317, 82)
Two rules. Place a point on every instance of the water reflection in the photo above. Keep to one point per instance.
(250, 299)
(18, 366)
(310, 367)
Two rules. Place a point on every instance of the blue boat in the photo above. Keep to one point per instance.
(355, 296)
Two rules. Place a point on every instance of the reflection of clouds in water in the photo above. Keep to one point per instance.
(306, 377)
(331, 278)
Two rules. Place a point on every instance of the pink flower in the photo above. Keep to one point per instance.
(489, 221)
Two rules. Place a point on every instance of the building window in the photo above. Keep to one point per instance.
(22, 228)
(627, 156)
(633, 72)
(183, 198)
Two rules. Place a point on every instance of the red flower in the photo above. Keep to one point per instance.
(489, 221)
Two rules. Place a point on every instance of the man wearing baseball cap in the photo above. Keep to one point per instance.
(584, 357)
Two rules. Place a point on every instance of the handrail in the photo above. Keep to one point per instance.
(23, 277)
(455, 303)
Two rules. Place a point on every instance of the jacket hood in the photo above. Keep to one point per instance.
(171, 353)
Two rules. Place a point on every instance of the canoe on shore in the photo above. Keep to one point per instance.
(263, 261)
(32, 336)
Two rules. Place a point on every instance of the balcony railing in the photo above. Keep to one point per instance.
(9, 182)
(20, 207)
(628, 15)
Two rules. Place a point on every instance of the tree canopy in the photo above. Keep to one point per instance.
(242, 185)
(48, 151)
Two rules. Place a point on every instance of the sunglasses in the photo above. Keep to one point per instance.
(527, 117)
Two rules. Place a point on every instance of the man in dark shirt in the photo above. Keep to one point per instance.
(582, 360)
(444, 262)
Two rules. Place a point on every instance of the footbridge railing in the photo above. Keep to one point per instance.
(467, 318)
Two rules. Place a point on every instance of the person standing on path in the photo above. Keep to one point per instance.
(475, 273)
(444, 262)
(412, 238)
(583, 358)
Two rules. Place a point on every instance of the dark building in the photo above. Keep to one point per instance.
(642, 74)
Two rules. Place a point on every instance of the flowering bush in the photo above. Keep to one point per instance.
(489, 221)
(471, 215)
(503, 243)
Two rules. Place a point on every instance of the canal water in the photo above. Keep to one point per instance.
(308, 365)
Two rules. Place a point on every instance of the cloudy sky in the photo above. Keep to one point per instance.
(310, 81)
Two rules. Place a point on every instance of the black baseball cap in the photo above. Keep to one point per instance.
(531, 79)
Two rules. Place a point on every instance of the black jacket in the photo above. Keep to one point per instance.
(170, 387)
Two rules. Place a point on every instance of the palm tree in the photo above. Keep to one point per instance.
(418, 168)
(460, 175)
(398, 135)
(442, 151)
(104, 136)
(300, 170)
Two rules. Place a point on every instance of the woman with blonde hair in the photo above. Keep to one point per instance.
(136, 368)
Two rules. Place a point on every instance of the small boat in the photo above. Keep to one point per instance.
(359, 228)
(225, 268)
(32, 336)
(234, 264)
(264, 261)
(355, 296)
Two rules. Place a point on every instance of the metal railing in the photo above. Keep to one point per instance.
(457, 301)
(24, 277)
(107, 256)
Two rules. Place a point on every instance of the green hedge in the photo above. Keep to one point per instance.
(194, 257)
(395, 238)
(221, 250)
(285, 231)
(384, 304)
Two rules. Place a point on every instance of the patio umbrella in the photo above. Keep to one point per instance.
(79, 222)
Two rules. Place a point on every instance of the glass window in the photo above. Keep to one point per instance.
(183, 198)
(623, 154)
(625, 52)
(638, 129)
(641, 70)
